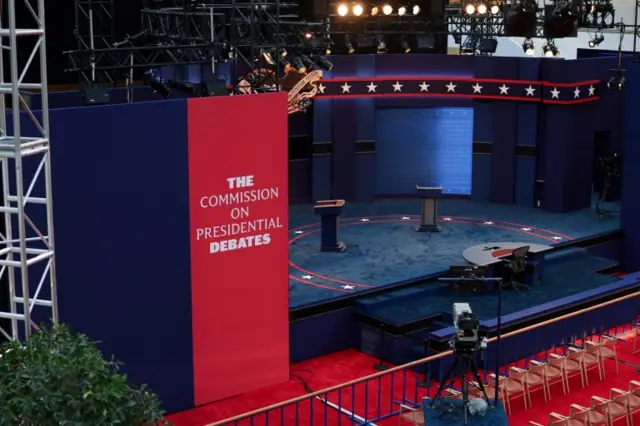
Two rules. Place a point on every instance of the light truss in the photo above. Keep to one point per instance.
(27, 255)
(94, 24)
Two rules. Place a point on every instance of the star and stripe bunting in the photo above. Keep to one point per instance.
(475, 88)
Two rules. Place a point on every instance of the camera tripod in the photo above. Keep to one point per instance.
(462, 365)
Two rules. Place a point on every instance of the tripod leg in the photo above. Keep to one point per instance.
(476, 375)
(445, 379)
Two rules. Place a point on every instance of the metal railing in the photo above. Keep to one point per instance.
(378, 396)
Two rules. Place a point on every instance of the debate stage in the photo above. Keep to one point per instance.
(383, 248)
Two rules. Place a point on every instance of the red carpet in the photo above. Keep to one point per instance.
(380, 397)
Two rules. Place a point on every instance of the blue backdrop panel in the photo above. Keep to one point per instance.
(344, 149)
(321, 180)
(525, 181)
(424, 146)
(481, 185)
(122, 225)
(631, 173)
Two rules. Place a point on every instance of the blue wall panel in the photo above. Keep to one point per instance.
(366, 176)
(424, 146)
(525, 181)
(122, 218)
(480, 177)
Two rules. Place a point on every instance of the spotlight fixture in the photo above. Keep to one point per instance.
(157, 83)
(387, 9)
(381, 46)
(402, 10)
(405, 46)
(470, 9)
(308, 36)
(285, 64)
(283, 52)
(307, 62)
(610, 82)
(495, 9)
(528, 47)
(549, 49)
(415, 10)
(299, 65)
(468, 47)
(343, 10)
(482, 9)
(597, 39)
(357, 9)
(267, 57)
(375, 10)
(348, 44)
(323, 63)
(621, 82)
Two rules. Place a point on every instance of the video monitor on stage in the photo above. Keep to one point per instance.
(468, 272)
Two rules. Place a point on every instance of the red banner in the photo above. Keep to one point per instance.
(238, 148)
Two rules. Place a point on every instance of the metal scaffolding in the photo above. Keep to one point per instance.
(94, 24)
(27, 246)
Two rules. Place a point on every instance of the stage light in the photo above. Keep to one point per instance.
(482, 9)
(402, 10)
(308, 36)
(348, 44)
(387, 9)
(358, 10)
(495, 9)
(405, 46)
(283, 52)
(183, 86)
(528, 47)
(381, 46)
(343, 10)
(468, 47)
(267, 57)
(470, 9)
(610, 82)
(599, 38)
(299, 65)
(415, 10)
(157, 83)
(375, 10)
(550, 50)
(285, 64)
(621, 83)
(307, 62)
(323, 63)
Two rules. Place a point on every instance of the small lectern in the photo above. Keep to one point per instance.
(329, 212)
(429, 199)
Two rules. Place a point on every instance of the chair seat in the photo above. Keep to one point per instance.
(569, 364)
(606, 352)
(632, 400)
(573, 422)
(532, 379)
(552, 372)
(415, 417)
(477, 393)
(615, 409)
(511, 385)
(589, 358)
(592, 416)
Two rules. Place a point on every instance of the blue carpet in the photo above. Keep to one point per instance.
(383, 249)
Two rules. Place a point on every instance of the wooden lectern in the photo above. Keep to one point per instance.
(429, 199)
(329, 212)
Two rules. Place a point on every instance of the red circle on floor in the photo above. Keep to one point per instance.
(501, 252)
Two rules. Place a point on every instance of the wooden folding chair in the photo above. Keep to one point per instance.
(630, 399)
(587, 361)
(508, 387)
(588, 415)
(568, 367)
(528, 379)
(605, 348)
(415, 416)
(549, 372)
(610, 408)
(556, 419)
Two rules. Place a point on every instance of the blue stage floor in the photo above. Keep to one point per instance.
(383, 248)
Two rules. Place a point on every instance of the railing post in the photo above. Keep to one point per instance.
(380, 366)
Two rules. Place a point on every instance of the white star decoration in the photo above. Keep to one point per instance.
(530, 90)
(477, 88)
(504, 90)
(372, 87)
(526, 229)
(406, 218)
(592, 90)
(298, 232)
(451, 87)
(555, 93)
(576, 93)
(448, 219)
(345, 88)
(306, 277)
(364, 220)
(321, 88)
(348, 287)
(424, 87)
(488, 223)
(397, 87)
(557, 238)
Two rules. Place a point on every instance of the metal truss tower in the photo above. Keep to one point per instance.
(94, 24)
(27, 247)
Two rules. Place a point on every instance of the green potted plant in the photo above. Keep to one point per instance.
(60, 378)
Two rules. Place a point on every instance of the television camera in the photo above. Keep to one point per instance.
(466, 339)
